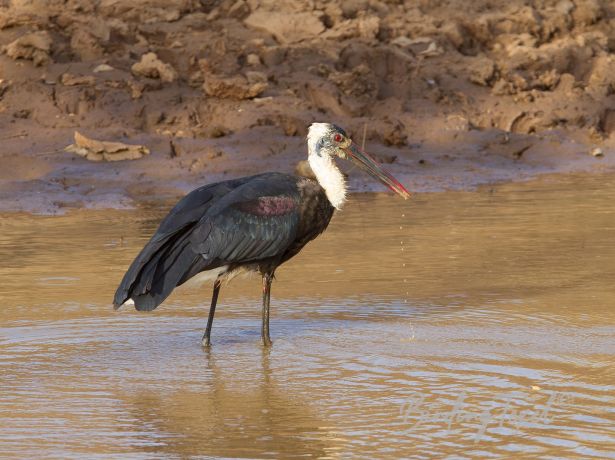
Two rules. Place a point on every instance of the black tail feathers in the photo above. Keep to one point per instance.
(158, 269)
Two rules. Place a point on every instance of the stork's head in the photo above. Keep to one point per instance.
(329, 141)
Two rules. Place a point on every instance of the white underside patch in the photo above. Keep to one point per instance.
(206, 276)
(128, 303)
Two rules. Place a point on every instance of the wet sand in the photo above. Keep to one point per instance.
(472, 324)
(57, 182)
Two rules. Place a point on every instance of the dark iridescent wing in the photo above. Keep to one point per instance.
(170, 238)
(232, 222)
(257, 221)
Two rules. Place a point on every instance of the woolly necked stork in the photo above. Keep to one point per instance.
(253, 223)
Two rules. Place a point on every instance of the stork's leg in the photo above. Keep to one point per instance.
(267, 279)
(212, 311)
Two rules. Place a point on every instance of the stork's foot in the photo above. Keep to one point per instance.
(206, 342)
(266, 341)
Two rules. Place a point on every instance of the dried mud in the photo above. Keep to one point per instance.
(451, 94)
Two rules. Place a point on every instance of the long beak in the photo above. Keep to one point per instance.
(364, 161)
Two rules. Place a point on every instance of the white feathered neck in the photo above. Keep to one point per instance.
(326, 171)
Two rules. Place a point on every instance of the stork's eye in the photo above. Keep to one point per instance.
(337, 137)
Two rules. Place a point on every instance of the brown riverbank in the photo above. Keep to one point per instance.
(449, 95)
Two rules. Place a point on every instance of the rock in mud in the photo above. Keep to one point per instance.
(350, 8)
(432, 50)
(587, 12)
(253, 60)
(597, 152)
(482, 71)
(94, 150)
(103, 68)
(369, 27)
(239, 10)
(287, 28)
(601, 82)
(35, 47)
(256, 77)
(15, 17)
(86, 45)
(68, 79)
(232, 87)
(151, 67)
(146, 11)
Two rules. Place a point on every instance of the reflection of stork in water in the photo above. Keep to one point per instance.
(230, 412)
(252, 223)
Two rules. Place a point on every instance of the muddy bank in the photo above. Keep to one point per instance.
(450, 95)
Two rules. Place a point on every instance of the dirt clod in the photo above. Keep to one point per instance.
(151, 67)
(73, 80)
(232, 87)
(102, 68)
(35, 47)
(482, 71)
(287, 28)
(94, 150)
(597, 152)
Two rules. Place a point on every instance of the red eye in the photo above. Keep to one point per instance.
(337, 137)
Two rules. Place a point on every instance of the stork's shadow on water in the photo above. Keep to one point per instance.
(230, 414)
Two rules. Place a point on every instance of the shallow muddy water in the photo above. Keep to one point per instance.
(461, 325)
